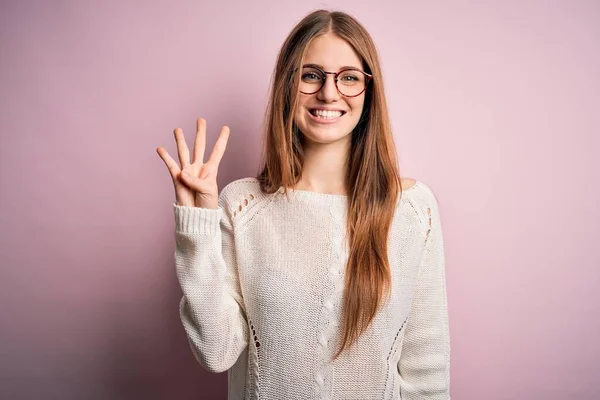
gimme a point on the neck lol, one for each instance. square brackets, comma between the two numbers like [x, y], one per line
[324, 167]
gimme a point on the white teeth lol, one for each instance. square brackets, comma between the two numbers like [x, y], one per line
[327, 114]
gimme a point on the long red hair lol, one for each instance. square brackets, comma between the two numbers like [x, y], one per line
[372, 175]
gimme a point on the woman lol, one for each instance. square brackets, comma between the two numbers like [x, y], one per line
[323, 276]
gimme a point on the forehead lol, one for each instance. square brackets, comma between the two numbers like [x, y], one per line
[332, 52]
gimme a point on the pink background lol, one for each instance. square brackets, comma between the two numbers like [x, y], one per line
[495, 105]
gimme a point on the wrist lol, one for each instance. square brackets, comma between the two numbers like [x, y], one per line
[211, 202]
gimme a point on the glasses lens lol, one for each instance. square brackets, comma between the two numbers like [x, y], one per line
[351, 82]
[311, 80]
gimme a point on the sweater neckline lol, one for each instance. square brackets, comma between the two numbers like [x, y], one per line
[329, 198]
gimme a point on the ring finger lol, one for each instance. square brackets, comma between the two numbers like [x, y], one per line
[182, 149]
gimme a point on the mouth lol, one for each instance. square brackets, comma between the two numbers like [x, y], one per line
[326, 116]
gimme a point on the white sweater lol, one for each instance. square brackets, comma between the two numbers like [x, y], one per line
[262, 280]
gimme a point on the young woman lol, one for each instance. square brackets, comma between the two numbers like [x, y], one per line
[323, 276]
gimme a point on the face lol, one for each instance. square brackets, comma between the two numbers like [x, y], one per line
[333, 54]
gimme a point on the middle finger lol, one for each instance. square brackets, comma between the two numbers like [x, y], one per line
[199, 141]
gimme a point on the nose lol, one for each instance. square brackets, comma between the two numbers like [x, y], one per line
[328, 92]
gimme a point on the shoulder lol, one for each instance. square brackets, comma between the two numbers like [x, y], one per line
[420, 197]
[239, 186]
[239, 192]
[418, 191]
[242, 198]
[407, 183]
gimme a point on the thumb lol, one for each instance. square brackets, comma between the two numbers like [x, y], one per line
[190, 180]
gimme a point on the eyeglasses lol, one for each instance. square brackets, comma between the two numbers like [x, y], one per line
[350, 82]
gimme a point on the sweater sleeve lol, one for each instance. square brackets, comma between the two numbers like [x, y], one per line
[212, 308]
[424, 364]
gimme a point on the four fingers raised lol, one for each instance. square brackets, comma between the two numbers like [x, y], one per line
[199, 149]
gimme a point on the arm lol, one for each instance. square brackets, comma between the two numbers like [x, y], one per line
[212, 308]
[424, 364]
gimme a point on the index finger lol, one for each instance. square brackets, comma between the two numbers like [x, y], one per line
[220, 145]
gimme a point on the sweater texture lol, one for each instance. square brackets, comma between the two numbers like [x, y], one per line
[263, 277]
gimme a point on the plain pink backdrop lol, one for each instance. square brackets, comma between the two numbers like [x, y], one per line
[494, 104]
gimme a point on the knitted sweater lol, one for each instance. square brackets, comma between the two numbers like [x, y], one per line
[263, 277]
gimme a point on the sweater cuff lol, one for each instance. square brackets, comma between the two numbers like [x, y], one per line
[196, 219]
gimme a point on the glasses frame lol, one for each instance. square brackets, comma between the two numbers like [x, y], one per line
[368, 78]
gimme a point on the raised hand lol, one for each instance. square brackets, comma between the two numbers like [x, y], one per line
[196, 182]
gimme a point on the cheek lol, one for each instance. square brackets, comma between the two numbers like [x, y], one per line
[357, 106]
[300, 109]
[299, 116]
[356, 102]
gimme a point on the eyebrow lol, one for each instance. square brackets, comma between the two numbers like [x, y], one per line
[321, 67]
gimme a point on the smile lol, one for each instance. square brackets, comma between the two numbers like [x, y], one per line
[325, 117]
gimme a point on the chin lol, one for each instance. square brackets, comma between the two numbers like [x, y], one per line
[325, 136]
[323, 133]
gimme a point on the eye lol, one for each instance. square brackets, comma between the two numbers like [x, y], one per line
[349, 77]
[311, 77]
